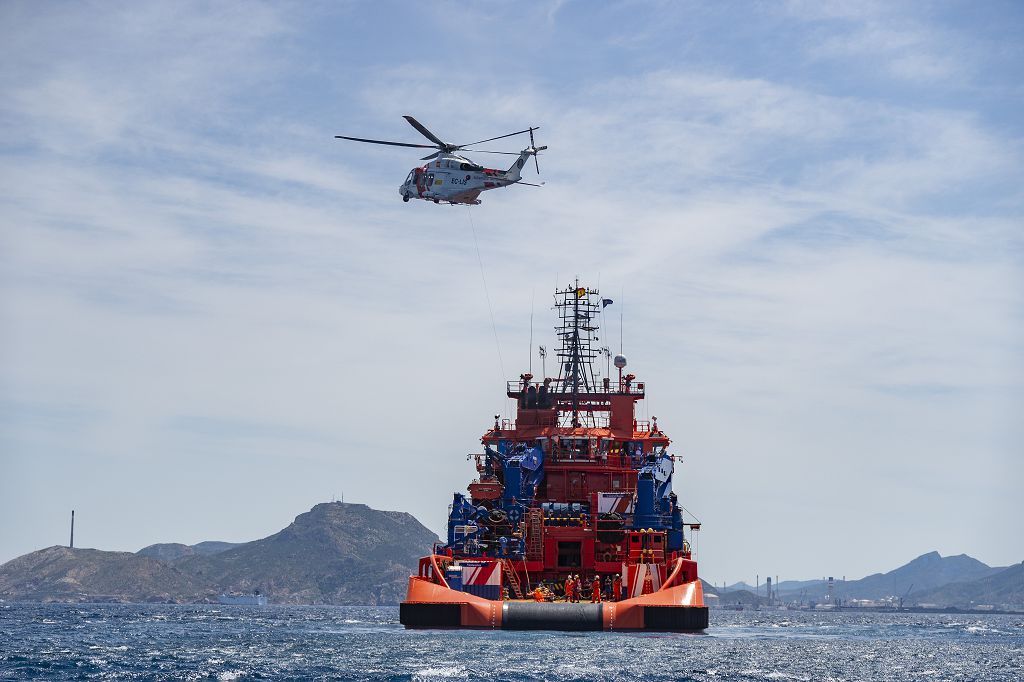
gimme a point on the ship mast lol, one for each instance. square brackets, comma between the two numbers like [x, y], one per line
[577, 312]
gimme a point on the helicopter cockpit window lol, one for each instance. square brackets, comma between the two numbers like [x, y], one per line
[408, 179]
[471, 167]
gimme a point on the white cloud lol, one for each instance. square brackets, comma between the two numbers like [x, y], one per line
[201, 284]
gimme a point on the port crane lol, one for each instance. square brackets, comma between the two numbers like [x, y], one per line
[906, 594]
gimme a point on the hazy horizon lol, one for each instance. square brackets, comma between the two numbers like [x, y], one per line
[729, 583]
[214, 315]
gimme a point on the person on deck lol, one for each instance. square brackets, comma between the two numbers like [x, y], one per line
[568, 588]
[543, 399]
[617, 588]
[595, 590]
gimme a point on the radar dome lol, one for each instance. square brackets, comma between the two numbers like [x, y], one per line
[620, 361]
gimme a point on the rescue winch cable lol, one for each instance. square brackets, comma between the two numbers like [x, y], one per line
[487, 295]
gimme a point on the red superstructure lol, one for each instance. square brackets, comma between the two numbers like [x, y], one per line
[574, 491]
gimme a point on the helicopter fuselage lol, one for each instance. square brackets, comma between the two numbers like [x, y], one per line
[452, 178]
[455, 179]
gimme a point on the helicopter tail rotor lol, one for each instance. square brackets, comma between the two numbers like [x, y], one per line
[533, 146]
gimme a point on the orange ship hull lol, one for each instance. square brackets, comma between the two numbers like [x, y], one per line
[674, 609]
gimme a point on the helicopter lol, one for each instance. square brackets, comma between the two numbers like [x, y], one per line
[451, 177]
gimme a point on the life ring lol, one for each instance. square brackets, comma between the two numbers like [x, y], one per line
[515, 514]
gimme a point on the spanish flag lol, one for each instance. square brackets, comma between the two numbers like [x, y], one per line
[581, 292]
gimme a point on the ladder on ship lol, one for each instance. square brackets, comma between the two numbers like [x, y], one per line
[535, 534]
[513, 578]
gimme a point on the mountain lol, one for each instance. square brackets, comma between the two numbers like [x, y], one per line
[172, 551]
[208, 547]
[1004, 588]
[63, 574]
[166, 551]
[735, 587]
[747, 598]
[926, 572]
[336, 553]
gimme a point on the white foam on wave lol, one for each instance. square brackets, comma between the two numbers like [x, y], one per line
[981, 629]
[442, 672]
[786, 676]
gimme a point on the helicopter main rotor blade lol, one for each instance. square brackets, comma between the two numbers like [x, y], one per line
[423, 131]
[432, 156]
[393, 144]
[491, 139]
[484, 151]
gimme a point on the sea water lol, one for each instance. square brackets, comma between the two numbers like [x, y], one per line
[113, 641]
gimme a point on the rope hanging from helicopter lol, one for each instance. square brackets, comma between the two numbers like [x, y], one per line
[459, 188]
[487, 295]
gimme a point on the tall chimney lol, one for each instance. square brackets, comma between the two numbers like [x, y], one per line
[72, 544]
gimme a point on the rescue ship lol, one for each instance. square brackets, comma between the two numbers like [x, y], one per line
[575, 485]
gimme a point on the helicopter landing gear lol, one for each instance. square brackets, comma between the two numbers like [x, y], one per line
[437, 201]
[405, 198]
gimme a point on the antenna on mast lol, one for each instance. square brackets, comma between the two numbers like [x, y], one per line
[577, 313]
[532, 298]
[622, 310]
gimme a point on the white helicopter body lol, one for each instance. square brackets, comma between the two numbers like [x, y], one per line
[452, 178]
[457, 180]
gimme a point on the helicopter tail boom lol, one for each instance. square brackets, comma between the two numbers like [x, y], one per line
[516, 171]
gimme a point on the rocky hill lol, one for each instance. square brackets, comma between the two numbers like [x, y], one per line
[926, 572]
[335, 553]
[64, 574]
[172, 551]
[1001, 589]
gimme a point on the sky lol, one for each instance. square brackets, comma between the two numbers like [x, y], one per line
[213, 315]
